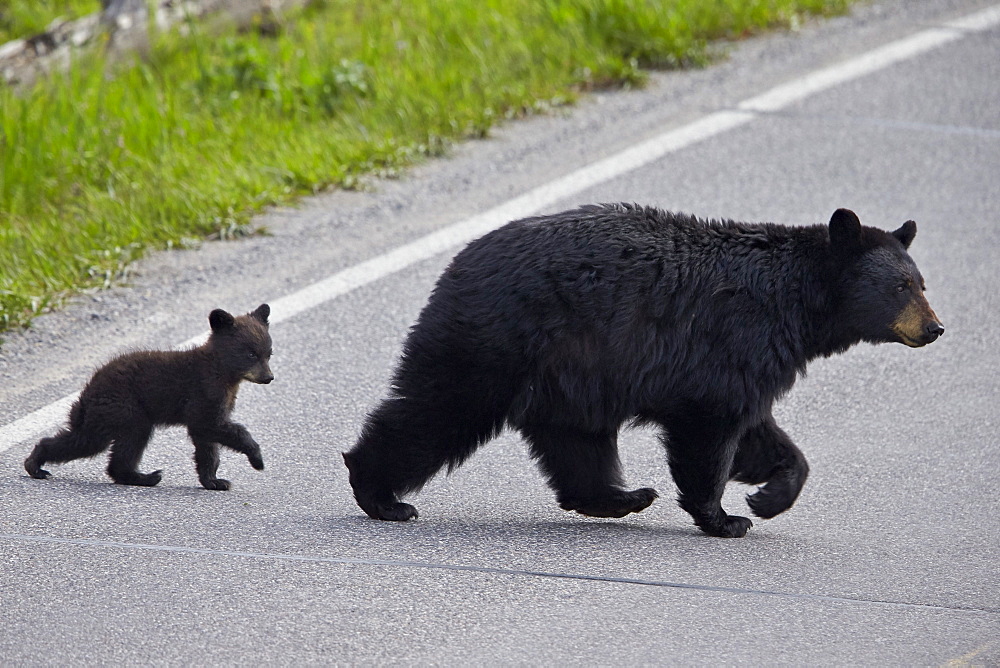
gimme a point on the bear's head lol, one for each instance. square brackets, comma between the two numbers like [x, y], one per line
[880, 289]
[242, 344]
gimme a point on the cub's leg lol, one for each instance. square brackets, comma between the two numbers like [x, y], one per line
[236, 437]
[206, 462]
[63, 447]
[584, 470]
[767, 456]
[700, 449]
[126, 452]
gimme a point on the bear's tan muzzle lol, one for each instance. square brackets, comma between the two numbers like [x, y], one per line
[917, 324]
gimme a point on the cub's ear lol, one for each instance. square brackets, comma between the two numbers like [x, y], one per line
[845, 230]
[261, 313]
[906, 233]
[220, 320]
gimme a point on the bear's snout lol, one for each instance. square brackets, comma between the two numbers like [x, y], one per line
[259, 377]
[933, 330]
[917, 324]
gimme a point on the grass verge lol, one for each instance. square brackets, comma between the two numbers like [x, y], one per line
[105, 160]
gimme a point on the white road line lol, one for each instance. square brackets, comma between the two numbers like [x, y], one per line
[531, 202]
[35, 423]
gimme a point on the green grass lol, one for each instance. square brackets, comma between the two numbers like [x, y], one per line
[105, 161]
[25, 18]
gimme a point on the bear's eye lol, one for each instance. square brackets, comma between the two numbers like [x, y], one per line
[252, 355]
[900, 287]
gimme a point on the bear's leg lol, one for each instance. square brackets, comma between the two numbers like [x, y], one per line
[235, 437]
[767, 456]
[206, 463]
[584, 470]
[700, 449]
[407, 439]
[126, 451]
[63, 447]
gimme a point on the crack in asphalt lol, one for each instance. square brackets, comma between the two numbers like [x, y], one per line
[493, 570]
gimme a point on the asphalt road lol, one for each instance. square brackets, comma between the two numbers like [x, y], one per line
[888, 558]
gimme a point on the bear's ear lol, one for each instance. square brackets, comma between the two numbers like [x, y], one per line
[220, 320]
[261, 313]
[845, 230]
[906, 233]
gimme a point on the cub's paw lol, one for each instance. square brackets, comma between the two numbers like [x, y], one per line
[394, 512]
[256, 461]
[136, 479]
[733, 526]
[34, 470]
[216, 484]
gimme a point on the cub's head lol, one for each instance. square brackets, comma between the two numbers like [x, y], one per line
[881, 290]
[243, 344]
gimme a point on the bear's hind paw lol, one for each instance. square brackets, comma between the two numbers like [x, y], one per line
[618, 504]
[395, 512]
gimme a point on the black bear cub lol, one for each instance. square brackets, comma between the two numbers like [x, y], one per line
[136, 392]
[566, 327]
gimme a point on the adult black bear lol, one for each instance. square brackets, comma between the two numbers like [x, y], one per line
[567, 326]
[133, 393]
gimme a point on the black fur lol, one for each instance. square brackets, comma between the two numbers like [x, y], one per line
[136, 392]
[568, 326]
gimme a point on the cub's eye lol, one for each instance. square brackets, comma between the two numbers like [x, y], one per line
[252, 355]
[900, 287]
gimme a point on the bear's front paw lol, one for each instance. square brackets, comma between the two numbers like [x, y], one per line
[218, 484]
[780, 492]
[733, 526]
[768, 502]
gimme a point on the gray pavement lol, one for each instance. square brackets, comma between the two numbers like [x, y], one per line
[888, 558]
